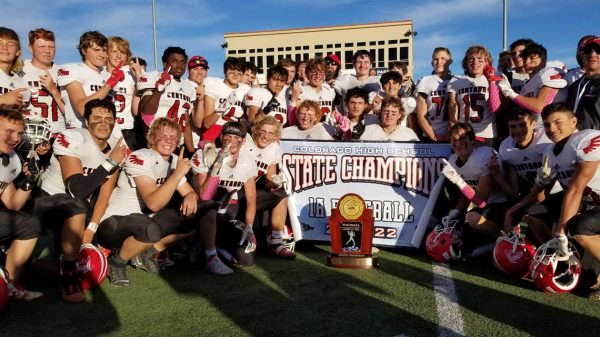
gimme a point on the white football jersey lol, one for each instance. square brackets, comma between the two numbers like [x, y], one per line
[229, 102]
[581, 146]
[348, 81]
[400, 134]
[122, 96]
[472, 96]
[262, 157]
[325, 97]
[124, 199]
[316, 132]
[549, 77]
[573, 75]
[73, 143]
[475, 167]
[526, 161]
[518, 81]
[434, 90]
[10, 172]
[11, 82]
[232, 179]
[176, 100]
[90, 80]
[260, 97]
[42, 103]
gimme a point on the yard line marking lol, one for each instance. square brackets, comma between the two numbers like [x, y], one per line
[448, 310]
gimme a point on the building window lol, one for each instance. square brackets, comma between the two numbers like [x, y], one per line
[372, 43]
[259, 64]
[393, 54]
[403, 53]
[305, 47]
[373, 54]
[404, 41]
[259, 50]
[305, 57]
[298, 57]
[349, 44]
[242, 51]
[252, 51]
[280, 49]
[330, 46]
[297, 48]
[231, 52]
[318, 55]
[253, 59]
[319, 46]
[380, 43]
[392, 41]
[270, 50]
[288, 48]
[270, 61]
[338, 45]
[361, 44]
[348, 59]
[380, 57]
[288, 56]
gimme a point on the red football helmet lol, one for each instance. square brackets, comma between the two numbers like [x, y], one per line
[3, 291]
[512, 254]
[444, 243]
[92, 265]
[554, 276]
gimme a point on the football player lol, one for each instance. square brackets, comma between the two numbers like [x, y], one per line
[356, 101]
[224, 99]
[41, 74]
[308, 116]
[249, 77]
[518, 76]
[271, 100]
[19, 229]
[543, 85]
[432, 115]
[584, 94]
[263, 146]
[139, 223]
[83, 160]
[334, 65]
[362, 64]
[389, 127]
[391, 82]
[124, 93]
[468, 169]
[83, 82]
[13, 89]
[313, 90]
[576, 73]
[407, 86]
[197, 70]
[167, 94]
[290, 66]
[472, 98]
[229, 179]
[573, 161]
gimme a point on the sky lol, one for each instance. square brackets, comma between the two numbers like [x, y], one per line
[198, 25]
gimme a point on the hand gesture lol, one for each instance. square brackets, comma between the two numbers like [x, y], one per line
[183, 165]
[136, 68]
[47, 81]
[116, 75]
[14, 97]
[506, 89]
[119, 152]
[247, 236]
[494, 165]
[490, 73]
[163, 80]
[200, 92]
[296, 91]
[545, 175]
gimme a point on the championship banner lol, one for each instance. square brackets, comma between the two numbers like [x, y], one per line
[397, 180]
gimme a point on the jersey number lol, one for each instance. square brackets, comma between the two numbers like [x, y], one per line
[173, 113]
[44, 107]
[474, 107]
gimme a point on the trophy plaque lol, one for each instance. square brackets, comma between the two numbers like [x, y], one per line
[351, 228]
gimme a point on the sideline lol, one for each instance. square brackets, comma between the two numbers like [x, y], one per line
[448, 310]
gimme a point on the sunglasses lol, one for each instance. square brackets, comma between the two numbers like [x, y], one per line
[590, 49]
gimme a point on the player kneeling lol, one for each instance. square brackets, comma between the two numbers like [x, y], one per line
[139, 222]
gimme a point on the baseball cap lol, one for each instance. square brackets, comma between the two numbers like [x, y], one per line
[234, 128]
[593, 41]
[197, 61]
[334, 58]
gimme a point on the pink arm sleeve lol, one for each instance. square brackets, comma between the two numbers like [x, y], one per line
[291, 115]
[211, 187]
[469, 192]
[519, 101]
[494, 99]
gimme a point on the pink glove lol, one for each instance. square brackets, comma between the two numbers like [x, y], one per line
[490, 73]
[343, 122]
[116, 76]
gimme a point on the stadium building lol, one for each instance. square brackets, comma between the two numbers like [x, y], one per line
[387, 41]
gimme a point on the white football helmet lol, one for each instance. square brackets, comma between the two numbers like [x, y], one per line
[554, 276]
[37, 129]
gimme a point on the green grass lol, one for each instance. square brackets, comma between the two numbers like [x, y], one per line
[301, 298]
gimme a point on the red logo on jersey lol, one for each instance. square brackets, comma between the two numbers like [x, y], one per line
[63, 72]
[594, 143]
[62, 141]
[557, 76]
[196, 161]
[134, 159]
[143, 80]
[249, 98]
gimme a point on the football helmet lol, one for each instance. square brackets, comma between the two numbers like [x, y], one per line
[445, 243]
[3, 290]
[37, 129]
[512, 254]
[92, 265]
[554, 276]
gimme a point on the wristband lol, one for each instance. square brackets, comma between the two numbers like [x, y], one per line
[108, 166]
[92, 227]
[113, 163]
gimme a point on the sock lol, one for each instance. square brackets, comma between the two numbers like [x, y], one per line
[118, 261]
[150, 252]
[210, 252]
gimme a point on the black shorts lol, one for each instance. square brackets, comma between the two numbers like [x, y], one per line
[53, 210]
[585, 223]
[17, 225]
[171, 221]
[493, 212]
[113, 231]
[267, 200]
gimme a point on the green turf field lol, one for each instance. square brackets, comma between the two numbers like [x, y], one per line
[303, 298]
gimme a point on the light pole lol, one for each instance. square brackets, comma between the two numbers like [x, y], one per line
[504, 25]
[154, 35]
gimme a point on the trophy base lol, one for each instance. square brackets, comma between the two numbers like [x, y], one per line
[366, 262]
